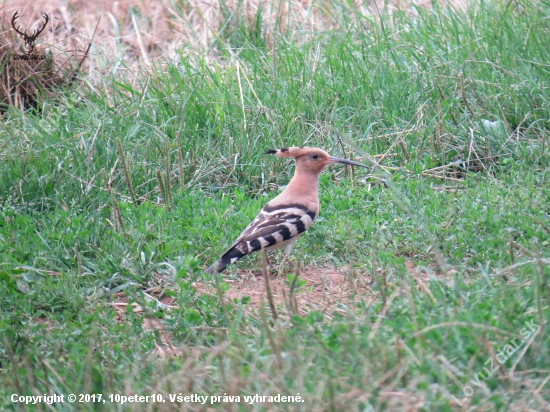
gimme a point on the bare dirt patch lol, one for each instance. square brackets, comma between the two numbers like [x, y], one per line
[327, 289]
[318, 288]
[324, 287]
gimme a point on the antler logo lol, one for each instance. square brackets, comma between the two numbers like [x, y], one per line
[29, 40]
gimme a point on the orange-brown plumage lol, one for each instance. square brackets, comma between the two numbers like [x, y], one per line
[286, 217]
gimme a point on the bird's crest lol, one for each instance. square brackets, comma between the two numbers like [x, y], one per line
[297, 151]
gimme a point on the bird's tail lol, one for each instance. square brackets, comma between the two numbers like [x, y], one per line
[231, 256]
[218, 267]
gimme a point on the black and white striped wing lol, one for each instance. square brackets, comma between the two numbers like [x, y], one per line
[274, 226]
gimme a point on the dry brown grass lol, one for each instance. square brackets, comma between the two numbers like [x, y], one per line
[22, 82]
[127, 34]
[140, 31]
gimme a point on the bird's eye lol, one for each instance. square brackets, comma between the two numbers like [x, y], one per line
[315, 156]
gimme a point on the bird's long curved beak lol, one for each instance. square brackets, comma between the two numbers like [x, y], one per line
[346, 162]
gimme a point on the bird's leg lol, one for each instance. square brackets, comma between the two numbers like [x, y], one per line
[281, 269]
[287, 261]
[286, 266]
[267, 262]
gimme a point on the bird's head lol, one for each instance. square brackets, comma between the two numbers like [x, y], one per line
[311, 159]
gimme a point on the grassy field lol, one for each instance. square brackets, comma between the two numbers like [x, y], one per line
[116, 195]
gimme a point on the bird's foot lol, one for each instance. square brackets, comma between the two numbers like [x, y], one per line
[286, 266]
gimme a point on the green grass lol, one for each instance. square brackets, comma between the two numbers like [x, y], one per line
[76, 228]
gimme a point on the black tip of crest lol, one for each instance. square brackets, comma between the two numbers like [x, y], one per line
[270, 151]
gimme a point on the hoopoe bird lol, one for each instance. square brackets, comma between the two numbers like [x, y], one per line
[285, 218]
